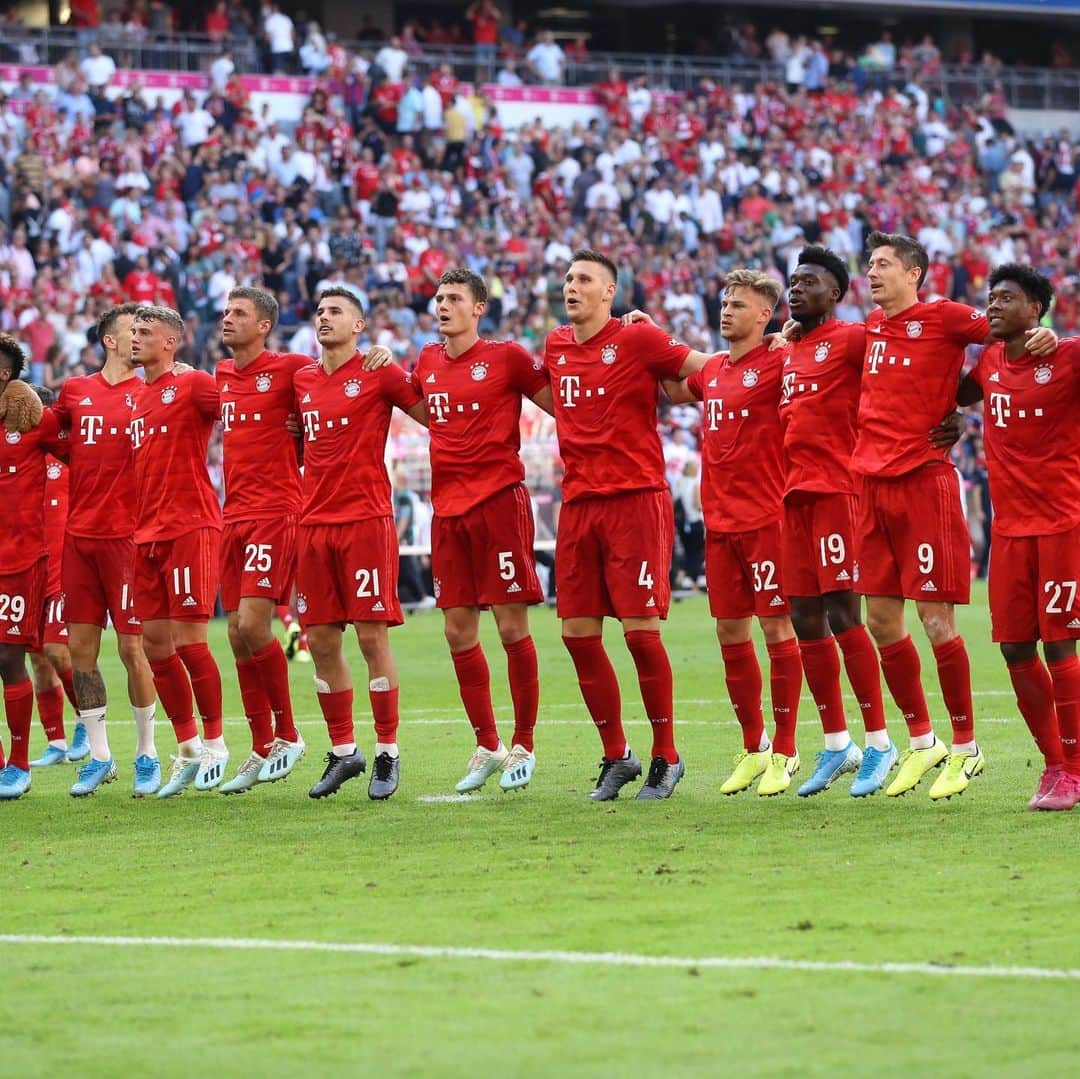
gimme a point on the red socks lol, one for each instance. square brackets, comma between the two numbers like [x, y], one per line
[785, 686]
[384, 707]
[1066, 677]
[600, 690]
[50, 706]
[474, 684]
[67, 680]
[903, 675]
[174, 691]
[821, 662]
[274, 673]
[521, 669]
[657, 689]
[743, 677]
[19, 706]
[256, 705]
[954, 674]
[337, 709]
[205, 684]
[1035, 699]
[864, 674]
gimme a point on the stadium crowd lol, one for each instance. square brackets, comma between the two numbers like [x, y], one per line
[391, 177]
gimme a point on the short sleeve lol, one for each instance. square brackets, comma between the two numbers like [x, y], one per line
[205, 394]
[696, 385]
[964, 324]
[61, 408]
[656, 350]
[527, 374]
[856, 346]
[397, 387]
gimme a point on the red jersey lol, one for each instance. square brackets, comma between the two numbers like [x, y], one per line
[56, 513]
[474, 408]
[170, 434]
[742, 467]
[819, 406]
[910, 376]
[365, 180]
[1032, 438]
[142, 286]
[98, 417]
[262, 472]
[606, 391]
[22, 493]
[346, 420]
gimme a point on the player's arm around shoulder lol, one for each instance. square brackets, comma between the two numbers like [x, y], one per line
[20, 408]
[692, 361]
[205, 394]
[400, 389]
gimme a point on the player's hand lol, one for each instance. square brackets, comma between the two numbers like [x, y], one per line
[636, 316]
[20, 408]
[1041, 341]
[377, 356]
[292, 424]
[776, 340]
[948, 432]
[792, 330]
[182, 368]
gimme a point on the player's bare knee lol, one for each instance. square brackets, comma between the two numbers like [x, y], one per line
[808, 619]
[459, 637]
[1058, 651]
[776, 630]
[939, 622]
[12, 664]
[1018, 651]
[59, 656]
[842, 612]
[129, 648]
[371, 636]
[512, 623]
[884, 626]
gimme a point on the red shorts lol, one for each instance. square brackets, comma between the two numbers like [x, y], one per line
[1033, 587]
[742, 570]
[22, 606]
[99, 581]
[485, 557]
[258, 558]
[613, 556]
[819, 543]
[912, 539]
[348, 573]
[55, 631]
[178, 578]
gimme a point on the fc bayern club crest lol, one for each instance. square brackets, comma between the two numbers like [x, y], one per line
[352, 388]
[12, 437]
[607, 354]
[821, 353]
[262, 383]
[914, 329]
[129, 400]
[750, 378]
[168, 395]
[479, 372]
[53, 471]
[1043, 374]
[301, 603]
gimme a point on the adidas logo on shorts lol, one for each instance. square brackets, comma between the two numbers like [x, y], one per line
[15, 629]
[515, 587]
[1074, 624]
[191, 601]
[843, 575]
[264, 583]
[378, 606]
[929, 587]
[651, 603]
[777, 601]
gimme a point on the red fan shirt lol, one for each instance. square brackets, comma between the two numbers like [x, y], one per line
[1032, 438]
[345, 416]
[819, 406]
[606, 391]
[742, 468]
[262, 472]
[910, 375]
[170, 434]
[474, 409]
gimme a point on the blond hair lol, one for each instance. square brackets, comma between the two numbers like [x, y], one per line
[171, 318]
[765, 285]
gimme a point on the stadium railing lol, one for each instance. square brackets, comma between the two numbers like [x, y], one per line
[1024, 87]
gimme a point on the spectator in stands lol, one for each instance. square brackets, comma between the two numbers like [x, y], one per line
[485, 18]
[546, 59]
[280, 35]
[391, 59]
[98, 68]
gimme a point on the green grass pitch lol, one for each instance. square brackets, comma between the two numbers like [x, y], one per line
[978, 882]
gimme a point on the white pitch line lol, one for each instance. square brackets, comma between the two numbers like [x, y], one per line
[596, 959]
[446, 720]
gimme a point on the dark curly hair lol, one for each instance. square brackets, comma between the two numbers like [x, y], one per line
[1034, 285]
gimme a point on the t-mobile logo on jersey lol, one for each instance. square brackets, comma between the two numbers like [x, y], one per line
[876, 357]
[228, 415]
[90, 427]
[439, 406]
[138, 432]
[311, 425]
[714, 409]
[999, 408]
[570, 391]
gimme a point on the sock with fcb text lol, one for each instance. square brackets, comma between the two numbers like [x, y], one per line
[522, 672]
[256, 705]
[657, 689]
[954, 674]
[384, 709]
[19, 706]
[205, 685]
[902, 671]
[474, 685]
[50, 705]
[864, 674]
[742, 673]
[785, 688]
[1066, 677]
[1035, 699]
[600, 691]
[274, 672]
[337, 710]
[821, 664]
[174, 691]
[67, 680]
